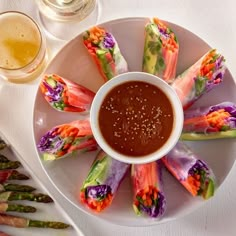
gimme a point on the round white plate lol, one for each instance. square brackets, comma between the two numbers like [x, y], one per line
[73, 62]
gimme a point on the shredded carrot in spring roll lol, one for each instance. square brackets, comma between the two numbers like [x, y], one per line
[147, 189]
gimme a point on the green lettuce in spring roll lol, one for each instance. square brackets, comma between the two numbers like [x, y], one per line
[193, 173]
[161, 50]
[200, 78]
[212, 122]
[102, 182]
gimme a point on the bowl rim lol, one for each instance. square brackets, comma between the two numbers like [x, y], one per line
[143, 77]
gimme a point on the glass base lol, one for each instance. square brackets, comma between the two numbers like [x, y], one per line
[67, 30]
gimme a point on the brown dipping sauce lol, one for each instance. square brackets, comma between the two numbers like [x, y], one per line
[136, 118]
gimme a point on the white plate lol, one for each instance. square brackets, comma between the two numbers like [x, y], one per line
[48, 212]
[73, 62]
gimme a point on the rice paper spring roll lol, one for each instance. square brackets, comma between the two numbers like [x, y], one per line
[105, 51]
[200, 78]
[212, 122]
[64, 139]
[102, 182]
[65, 95]
[148, 195]
[161, 50]
[193, 173]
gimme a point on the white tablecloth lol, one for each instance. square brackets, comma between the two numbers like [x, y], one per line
[214, 21]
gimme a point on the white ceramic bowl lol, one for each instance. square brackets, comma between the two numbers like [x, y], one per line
[151, 79]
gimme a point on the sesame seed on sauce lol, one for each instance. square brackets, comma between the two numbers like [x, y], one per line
[136, 118]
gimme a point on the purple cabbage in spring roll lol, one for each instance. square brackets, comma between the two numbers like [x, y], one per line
[193, 173]
[212, 122]
[147, 189]
[102, 182]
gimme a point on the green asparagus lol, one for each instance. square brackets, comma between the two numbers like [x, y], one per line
[47, 224]
[17, 175]
[21, 222]
[9, 165]
[16, 188]
[36, 197]
[5, 207]
[3, 159]
[2, 144]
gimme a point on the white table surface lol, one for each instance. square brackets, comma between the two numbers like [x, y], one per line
[213, 22]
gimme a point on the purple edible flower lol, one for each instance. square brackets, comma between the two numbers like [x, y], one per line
[50, 142]
[108, 41]
[98, 192]
[54, 93]
[163, 32]
[197, 167]
[157, 209]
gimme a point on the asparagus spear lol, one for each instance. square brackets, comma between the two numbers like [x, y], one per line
[11, 174]
[36, 197]
[16, 188]
[2, 144]
[21, 222]
[4, 207]
[3, 159]
[10, 165]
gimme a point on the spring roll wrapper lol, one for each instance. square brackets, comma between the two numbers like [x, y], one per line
[146, 177]
[102, 182]
[105, 52]
[200, 78]
[181, 162]
[161, 50]
[67, 138]
[65, 95]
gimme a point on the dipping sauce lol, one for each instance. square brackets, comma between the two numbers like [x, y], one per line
[136, 118]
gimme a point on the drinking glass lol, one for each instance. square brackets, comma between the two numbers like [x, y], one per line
[23, 47]
[64, 19]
